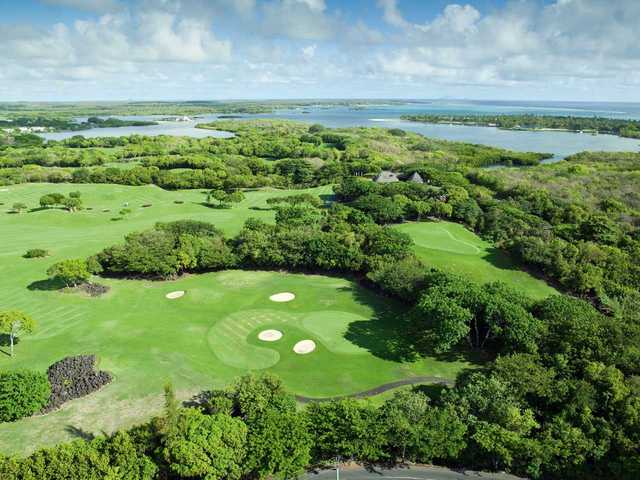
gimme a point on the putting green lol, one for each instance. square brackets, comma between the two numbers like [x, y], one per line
[451, 247]
[202, 340]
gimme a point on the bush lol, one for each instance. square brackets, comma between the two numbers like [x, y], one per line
[70, 272]
[36, 253]
[22, 394]
[74, 377]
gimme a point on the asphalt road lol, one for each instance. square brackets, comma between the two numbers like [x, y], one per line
[413, 472]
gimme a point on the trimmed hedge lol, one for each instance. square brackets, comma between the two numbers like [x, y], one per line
[22, 393]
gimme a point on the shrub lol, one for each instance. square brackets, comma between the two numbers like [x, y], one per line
[18, 207]
[70, 272]
[397, 132]
[74, 377]
[22, 394]
[36, 253]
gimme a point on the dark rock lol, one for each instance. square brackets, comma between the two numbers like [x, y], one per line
[74, 377]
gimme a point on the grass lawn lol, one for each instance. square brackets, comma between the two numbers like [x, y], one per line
[451, 247]
[204, 339]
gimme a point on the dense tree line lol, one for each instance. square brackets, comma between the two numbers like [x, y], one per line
[613, 126]
[262, 153]
[525, 413]
[304, 238]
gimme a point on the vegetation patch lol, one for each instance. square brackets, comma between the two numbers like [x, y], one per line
[36, 253]
[93, 289]
[74, 377]
[22, 393]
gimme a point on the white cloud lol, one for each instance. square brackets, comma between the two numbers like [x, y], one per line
[297, 19]
[255, 47]
[309, 52]
[315, 5]
[391, 13]
[562, 43]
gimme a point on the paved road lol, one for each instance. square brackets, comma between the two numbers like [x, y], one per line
[381, 388]
[408, 473]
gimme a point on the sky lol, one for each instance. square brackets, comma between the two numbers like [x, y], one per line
[83, 50]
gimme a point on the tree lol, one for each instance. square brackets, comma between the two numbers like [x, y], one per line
[211, 447]
[346, 428]
[72, 204]
[382, 209]
[256, 394]
[70, 272]
[235, 197]
[298, 215]
[419, 208]
[19, 207]
[278, 444]
[448, 321]
[46, 201]
[15, 323]
[22, 393]
[402, 414]
[219, 195]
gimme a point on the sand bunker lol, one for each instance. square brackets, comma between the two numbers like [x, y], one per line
[174, 295]
[282, 297]
[304, 346]
[270, 335]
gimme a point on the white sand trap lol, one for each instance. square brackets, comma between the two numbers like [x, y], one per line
[270, 335]
[304, 346]
[4, 189]
[174, 295]
[282, 297]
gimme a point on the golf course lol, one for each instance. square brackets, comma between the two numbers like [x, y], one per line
[451, 247]
[205, 336]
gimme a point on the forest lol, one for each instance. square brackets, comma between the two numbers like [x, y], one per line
[262, 153]
[558, 396]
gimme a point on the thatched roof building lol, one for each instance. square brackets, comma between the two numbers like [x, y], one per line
[415, 178]
[386, 177]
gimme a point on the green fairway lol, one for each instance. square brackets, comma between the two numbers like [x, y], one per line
[204, 339]
[451, 247]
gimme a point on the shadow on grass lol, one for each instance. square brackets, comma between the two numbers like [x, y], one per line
[393, 333]
[46, 285]
[500, 259]
[78, 432]
[261, 209]
[5, 341]
[386, 334]
[327, 198]
[222, 206]
[431, 390]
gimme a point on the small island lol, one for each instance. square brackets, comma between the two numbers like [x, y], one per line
[593, 125]
[37, 124]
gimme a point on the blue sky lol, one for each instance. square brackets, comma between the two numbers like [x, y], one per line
[224, 49]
